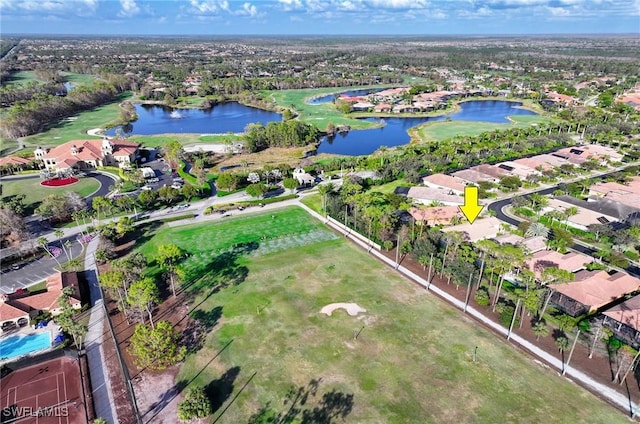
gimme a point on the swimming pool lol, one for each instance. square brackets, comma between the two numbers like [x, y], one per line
[18, 345]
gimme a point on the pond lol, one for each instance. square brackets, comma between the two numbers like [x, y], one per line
[234, 117]
[394, 131]
[222, 118]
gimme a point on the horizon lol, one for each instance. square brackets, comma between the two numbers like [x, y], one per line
[319, 17]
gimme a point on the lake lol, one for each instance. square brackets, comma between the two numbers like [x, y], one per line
[234, 117]
[351, 93]
[222, 118]
[394, 133]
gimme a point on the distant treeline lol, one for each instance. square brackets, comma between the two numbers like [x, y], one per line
[279, 134]
[26, 117]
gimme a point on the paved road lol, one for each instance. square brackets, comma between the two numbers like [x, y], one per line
[498, 206]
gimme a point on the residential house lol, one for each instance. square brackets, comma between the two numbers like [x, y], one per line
[303, 177]
[534, 163]
[382, 108]
[79, 155]
[624, 321]
[531, 244]
[627, 194]
[592, 291]
[362, 106]
[571, 262]
[445, 182]
[583, 218]
[17, 308]
[482, 228]
[518, 170]
[473, 176]
[438, 215]
[492, 170]
[428, 195]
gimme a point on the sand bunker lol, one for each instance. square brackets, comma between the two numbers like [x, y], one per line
[352, 309]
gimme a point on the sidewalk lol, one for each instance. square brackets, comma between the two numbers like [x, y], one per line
[101, 385]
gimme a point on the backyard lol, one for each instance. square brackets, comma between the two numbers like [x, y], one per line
[258, 283]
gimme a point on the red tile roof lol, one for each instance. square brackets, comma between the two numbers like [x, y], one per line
[88, 150]
[14, 160]
[598, 290]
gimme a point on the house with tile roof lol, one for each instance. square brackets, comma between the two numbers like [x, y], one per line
[18, 308]
[438, 215]
[482, 228]
[592, 291]
[455, 185]
[624, 321]
[571, 262]
[78, 155]
[582, 219]
[428, 195]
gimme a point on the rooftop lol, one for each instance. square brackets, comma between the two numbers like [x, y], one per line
[598, 290]
[482, 228]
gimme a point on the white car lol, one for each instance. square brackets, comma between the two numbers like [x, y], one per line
[146, 188]
[176, 186]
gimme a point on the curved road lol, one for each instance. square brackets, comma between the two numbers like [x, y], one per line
[497, 208]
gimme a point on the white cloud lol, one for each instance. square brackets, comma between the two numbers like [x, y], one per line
[289, 5]
[128, 8]
[400, 4]
[204, 6]
[249, 9]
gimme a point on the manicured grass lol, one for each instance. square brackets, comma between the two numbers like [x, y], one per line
[34, 192]
[22, 77]
[412, 361]
[441, 130]
[78, 79]
[76, 127]
[313, 201]
[319, 115]
[221, 138]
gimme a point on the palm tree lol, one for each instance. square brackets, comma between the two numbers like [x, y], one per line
[42, 242]
[324, 190]
[540, 329]
[537, 229]
[568, 213]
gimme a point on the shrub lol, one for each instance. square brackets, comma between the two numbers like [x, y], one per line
[196, 404]
[482, 297]
[506, 315]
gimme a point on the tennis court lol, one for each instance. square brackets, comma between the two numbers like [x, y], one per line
[46, 393]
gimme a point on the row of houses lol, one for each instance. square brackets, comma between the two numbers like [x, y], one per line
[605, 294]
[394, 100]
[17, 309]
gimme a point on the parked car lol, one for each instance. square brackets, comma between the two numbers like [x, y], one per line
[176, 186]
[146, 187]
[178, 180]
[153, 180]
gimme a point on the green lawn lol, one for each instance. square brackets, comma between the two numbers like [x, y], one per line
[319, 115]
[22, 77]
[412, 361]
[440, 130]
[76, 127]
[34, 192]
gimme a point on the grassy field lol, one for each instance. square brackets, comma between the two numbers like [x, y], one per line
[76, 127]
[23, 77]
[184, 139]
[34, 192]
[408, 358]
[319, 115]
[440, 130]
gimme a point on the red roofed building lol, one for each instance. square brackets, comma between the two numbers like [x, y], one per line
[439, 215]
[596, 291]
[88, 154]
[18, 308]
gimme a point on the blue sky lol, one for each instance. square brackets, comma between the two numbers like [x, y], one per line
[223, 17]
